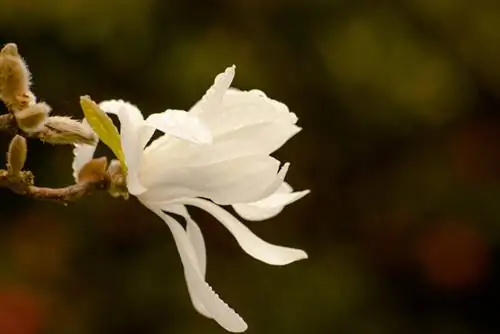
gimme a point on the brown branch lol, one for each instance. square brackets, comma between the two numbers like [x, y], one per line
[23, 185]
[27, 118]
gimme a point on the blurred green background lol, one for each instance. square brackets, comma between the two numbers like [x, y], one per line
[400, 105]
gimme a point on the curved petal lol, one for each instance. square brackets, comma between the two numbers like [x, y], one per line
[133, 138]
[251, 244]
[193, 232]
[244, 108]
[212, 304]
[121, 108]
[196, 238]
[241, 180]
[181, 124]
[82, 154]
[270, 206]
[210, 102]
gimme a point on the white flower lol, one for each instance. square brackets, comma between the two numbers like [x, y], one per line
[219, 150]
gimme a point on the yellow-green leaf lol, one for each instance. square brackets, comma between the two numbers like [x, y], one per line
[103, 126]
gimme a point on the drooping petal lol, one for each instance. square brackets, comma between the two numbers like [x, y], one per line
[270, 206]
[245, 179]
[212, 304]
[181, 124]
[193, 232]
[196, 238]
[251, 244]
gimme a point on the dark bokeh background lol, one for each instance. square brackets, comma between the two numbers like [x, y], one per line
[400, 105]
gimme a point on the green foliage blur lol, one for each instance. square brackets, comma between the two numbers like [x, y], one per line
[400, 107]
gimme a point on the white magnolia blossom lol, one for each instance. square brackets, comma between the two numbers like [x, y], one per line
[217, 153]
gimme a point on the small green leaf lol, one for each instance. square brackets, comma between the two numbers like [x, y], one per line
[103, 126]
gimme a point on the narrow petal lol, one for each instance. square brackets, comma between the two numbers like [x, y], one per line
[131, 145]
[251, 244]
[196, 238]
[210, 102]
[212, 304]
[193, 232]
[181, 124]
[270, 206]
[133, 138]
[82, 154]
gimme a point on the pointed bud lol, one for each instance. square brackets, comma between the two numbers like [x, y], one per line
[93, 170]
[64, 130]
[14, 78]
[10, 49]
[16, 156]
[118, 185]
[33, 118]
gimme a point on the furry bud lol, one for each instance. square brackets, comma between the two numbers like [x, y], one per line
[14, 78]
[64, 130]
[93, 170]
[16, 155]
[118, 185]
[33, 118]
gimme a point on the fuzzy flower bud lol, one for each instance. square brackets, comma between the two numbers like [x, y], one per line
[16, 156]
[33, 118]
[14, 79]
[93, 170]
[64, 130]
[118, 185]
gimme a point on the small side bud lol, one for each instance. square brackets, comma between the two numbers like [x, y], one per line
[64, 130]
[93, 170]
[33, 118]
[118, 186]
[16, 156]
[14, 78]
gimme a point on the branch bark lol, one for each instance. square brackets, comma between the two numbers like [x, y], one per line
[22, 185]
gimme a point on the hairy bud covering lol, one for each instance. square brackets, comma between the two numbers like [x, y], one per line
[64, 130]
[14, 79]
[16, 156]
[33, 118]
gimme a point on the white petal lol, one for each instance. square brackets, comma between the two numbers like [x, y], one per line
[212, 304]
[250, 121]
[82, 154]
[120, 108]
[181, 124]
[241, 180]
[132, 137]
[196, 238]
[244, 108]
[193, 232]
[270, 206]
[210, 102]
[249, 242]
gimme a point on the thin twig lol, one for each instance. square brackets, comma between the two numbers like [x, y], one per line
[22, 185]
